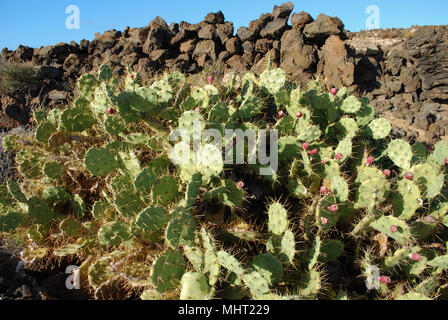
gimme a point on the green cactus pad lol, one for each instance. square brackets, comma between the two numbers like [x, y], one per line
[344, 148]
[331, 250]
[407, 201]
[367, 173]
[151, 219]
[441, 263]
[194, 286]
[54, 194]
[72, 227]
[39, 210]
[339, 187]
[180, 231]
[196, 257]
[440, 153]
[66, 250]
[278, 219]
[400, 152]
[269, 267]
[167, 271]
[114, 233]
[229, 262]
[105, 73]
[128, 203]
[219, 113]
[86, 86]
[99, 272]
[145, 180]
[114, 125]
[310, 285]
[54, 170]
[372, 192]
[191, 122]
[384, 224]
[271, 81]
[193, 189]
[165, 191]
[249, 108]
[257, 284]
[100, 161]
[310, 134]
[10, 221]
[350, 105]
[77, 119]
[347, 127]
[103, 211]
[44, 131]
[379, 128]
[16, 192]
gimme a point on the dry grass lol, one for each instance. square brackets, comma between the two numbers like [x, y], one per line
[15, 76]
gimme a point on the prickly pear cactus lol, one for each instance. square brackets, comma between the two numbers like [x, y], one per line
[253, 188]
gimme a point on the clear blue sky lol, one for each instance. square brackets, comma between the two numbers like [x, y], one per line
[38, 23]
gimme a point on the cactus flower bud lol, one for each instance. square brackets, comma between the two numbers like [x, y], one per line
[323, 190]
[333, 208]
[324, 162]
[313, 152]
[240, 184]
[324, 220]
[409, 175]
[197, 109]
[299, 114]
[305, 145]
[111, 111]
[387, 173]
[281, 114]
[338, 156]
[393, 229]
[384, 279]
[415, 256]
[370, 160]
[334, 91]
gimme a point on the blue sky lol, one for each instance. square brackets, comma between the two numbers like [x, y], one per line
[40, 23]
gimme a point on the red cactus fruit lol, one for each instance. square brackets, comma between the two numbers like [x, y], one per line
[393, 229]
[446, 161]
[324, 220]
[240, 184]
[323, 190]
[197, 109]
[338, 156]
[387, 173]
[31, 120]
[281, 114]
[333, 208]
[334, 91]
[384, 279]
[305, 145]
[409, 175]
[209, 80]
[299, 114]
[111, 111]
[370, 160]
[131, 76]
[313, 152]
[324, 162]
[415, 256]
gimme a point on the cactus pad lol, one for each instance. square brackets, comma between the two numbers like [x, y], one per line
[167, 271]
[100, 161]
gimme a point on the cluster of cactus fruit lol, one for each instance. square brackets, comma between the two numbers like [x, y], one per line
[98, 183]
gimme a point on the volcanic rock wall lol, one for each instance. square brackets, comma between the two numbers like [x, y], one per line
[403, 71]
